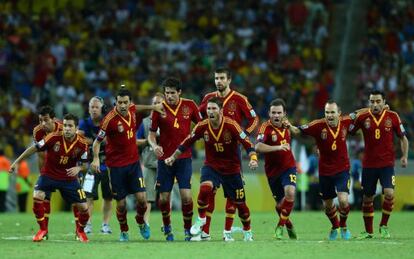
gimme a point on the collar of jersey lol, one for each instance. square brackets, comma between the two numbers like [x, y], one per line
[71, 145]
[216, 137]
[174, 112]
[128, 122]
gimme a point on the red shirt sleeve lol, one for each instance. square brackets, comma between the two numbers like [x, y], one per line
[195, 135]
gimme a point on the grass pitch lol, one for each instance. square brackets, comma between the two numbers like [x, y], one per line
[16, 231]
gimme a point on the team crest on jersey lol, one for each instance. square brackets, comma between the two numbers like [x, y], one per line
[227, 137]
[186, 112]
[367, 123]
[274, 136]
[56, 147]
[120, 127]
[324, 134]
[232, 107]
[388, 124]
[206, 137]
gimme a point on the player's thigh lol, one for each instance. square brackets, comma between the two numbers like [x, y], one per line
[150, 176]
[105, 185]
[118, 177]
[233, 187]
[135, 179]
[276, 188]
[370, 177]
[387, 177]
[327, 187]
[342, 182]
[183, 171]
[71, 191]
[288, 182]
[43, 188]
[165, 177]
[208, 174]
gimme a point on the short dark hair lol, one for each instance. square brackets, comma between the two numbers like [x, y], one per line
[123, 92]
[171, 82]
[70, 116]
[278, 102]
[330, 101]
[378, 92]
[217, 101]
[223, 70]
[47, 110]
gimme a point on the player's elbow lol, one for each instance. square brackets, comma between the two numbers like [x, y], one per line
[258, 147]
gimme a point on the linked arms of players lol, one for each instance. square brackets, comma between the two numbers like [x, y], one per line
[264, 148]
[152, 140]
[158, 108]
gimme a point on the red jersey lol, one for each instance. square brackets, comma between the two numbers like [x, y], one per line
[378, 134]
[39, 133]
[175, 126]
[62, 154]
[331, 143]
[120, 132]
[221, 145]
[279, 161]
[235, 106]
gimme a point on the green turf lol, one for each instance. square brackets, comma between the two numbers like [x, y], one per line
[16, 231]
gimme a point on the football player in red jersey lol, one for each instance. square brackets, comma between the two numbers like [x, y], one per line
[330, 135]
[222, 136]
[119, 129]
[274, 140]
[237, 107]
[173, 128]
[378, 125]
[64, 150]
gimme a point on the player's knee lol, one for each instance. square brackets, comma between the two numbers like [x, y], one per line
[39, 195]
[164, 199]
[367, 199]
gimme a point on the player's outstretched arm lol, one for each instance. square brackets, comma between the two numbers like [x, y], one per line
[143, 107]
[96, 163]
[404, 151]
[264, 148]
[293, 129]
[28, 152]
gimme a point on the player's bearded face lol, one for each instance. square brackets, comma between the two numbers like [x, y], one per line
[122, 104]
[69, 129]
[276, 115]
[213, 112]
[172, 95]
[221, 81]
[376, 103]
[46, 122]
[332, 114]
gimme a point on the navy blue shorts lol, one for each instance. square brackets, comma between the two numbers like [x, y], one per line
[370, 177]
[232, 184]
[181, 170]
[277, 183]
[71, 190]
[126, 180]
[330, 185]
